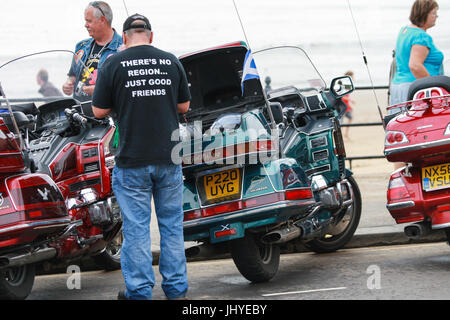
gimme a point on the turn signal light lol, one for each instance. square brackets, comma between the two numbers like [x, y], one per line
[397, 190]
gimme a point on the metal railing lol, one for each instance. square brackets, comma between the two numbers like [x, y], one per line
[365, 124]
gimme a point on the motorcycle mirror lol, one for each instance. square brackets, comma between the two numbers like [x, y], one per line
[277, 112]
[341, 86]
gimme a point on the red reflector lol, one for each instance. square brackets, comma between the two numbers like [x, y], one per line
[298, 194]
[194, 214]
[224, 233]
[35, 214]
[228, 207]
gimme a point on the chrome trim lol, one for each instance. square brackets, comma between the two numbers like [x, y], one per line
[237, 214]
[234, 157]
[322, 137]
[37, 224]
[291, 141]
[440, 226]
[400, 205]
[327, 166]
[315, 132]
[418, 146]
[315, 152]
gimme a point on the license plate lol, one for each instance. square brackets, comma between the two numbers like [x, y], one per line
[436, 177]
[222, 184]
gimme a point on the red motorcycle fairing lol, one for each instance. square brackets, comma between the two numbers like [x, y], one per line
[32, 205]
[83, 166]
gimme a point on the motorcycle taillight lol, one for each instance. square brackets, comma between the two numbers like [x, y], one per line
[397, 190]
[394, 138]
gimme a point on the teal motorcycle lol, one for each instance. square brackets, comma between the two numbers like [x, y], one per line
[264, 166]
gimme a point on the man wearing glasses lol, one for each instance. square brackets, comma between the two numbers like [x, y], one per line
[104, 42]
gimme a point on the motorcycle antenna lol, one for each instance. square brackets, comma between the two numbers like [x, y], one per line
[366, 63]
[126, 9]
[272, 119]
[240, 21]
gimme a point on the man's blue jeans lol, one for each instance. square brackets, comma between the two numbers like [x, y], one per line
[133, 188]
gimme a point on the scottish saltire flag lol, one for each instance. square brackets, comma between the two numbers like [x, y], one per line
[249, 69]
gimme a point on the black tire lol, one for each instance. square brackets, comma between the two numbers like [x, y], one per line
[447, 233]
[16, 283]
[331, 243]
[256, 261]
[109, 259]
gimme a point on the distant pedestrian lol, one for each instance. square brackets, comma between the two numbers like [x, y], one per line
[349, 111]
[147, 115]
[47, 89]
[416, 56]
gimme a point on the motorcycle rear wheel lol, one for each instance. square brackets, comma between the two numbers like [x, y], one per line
[333, 242]
[16, 283]
[256, 261]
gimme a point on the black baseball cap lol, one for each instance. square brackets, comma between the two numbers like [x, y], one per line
[144, 23]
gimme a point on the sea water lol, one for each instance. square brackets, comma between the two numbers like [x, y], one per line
[324, 28]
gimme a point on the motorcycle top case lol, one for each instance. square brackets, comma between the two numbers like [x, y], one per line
[414, 136]
[30, 205]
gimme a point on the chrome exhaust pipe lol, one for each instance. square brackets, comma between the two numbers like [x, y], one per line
[417, 230]
[282, 235]
[20, 259]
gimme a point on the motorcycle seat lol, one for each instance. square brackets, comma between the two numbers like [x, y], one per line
[429, 82]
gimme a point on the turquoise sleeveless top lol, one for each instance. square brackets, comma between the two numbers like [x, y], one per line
[408, 37]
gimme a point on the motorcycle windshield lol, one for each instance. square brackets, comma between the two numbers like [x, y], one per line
[285, 69]
[31, 81]
[39, 77]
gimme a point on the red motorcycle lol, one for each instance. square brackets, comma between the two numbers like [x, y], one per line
[419, 136]
[56, 201]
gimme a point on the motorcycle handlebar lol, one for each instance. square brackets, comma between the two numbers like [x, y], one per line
[75, 116]
[79, 118]
[82, 119]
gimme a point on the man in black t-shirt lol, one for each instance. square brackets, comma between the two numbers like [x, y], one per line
[145, 88]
